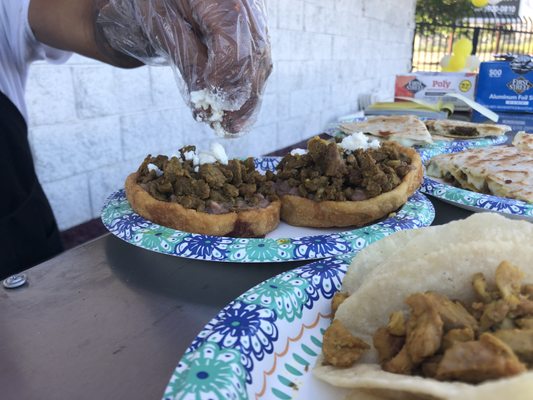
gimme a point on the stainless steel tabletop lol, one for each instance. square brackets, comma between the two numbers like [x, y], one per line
[108, 320]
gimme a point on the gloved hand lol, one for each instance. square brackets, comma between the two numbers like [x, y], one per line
[221, 51]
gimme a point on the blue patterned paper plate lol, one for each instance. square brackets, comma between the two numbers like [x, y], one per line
[477, 202]
[284, 244]
[265, 343]
[454, 146]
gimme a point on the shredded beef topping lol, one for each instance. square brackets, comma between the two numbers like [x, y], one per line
[328, 172]
[214, 188]
[445, 340]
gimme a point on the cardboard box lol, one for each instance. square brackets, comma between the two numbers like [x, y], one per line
[430, 87]
[501, 88]
[517, 121]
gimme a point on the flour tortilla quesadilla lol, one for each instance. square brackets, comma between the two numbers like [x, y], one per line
[442, 259]
[523, 141]
[407, 130]
[463, 129]
[504, 171]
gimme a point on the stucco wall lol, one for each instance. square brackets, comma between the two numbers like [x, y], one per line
[91, 125]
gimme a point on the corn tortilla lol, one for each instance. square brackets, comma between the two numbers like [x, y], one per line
[441, 259]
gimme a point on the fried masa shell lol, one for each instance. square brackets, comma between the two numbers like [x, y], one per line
[300, 211]
[248, 223]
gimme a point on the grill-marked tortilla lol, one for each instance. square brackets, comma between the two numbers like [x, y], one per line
[523, 141]
[441, 259]
[504, 171]
[407, 130]
[463, 129]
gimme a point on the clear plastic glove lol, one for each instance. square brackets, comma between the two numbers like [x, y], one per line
[220, 50]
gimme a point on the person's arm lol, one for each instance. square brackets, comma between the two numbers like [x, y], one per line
[71, 25]
[220, 48]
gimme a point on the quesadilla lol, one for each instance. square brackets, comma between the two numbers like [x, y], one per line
[523, 140]
[504, 171]
[463, 129]
[448, 332]
[406, 130]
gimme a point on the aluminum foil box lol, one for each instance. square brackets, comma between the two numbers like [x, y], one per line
[505, 86]
[517, 121]
[430, 87]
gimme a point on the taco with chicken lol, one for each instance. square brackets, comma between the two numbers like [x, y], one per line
[444, 312]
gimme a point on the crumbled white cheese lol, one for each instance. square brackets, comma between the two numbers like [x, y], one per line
[214, 154]
[206, 100]
[206, 158]
[298, 152]
[152, 167]
[358, 140]
[189, 155]
[216, 115]
[200, 99]
[219, 130]
[219, 152]
[374, 144]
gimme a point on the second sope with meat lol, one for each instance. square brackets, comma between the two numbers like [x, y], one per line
[350, 183]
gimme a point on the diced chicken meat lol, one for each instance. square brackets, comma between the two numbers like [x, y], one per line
[479, 283]
[424, 328]
[457, 335]
[493, 314]
[400, 364]
[396, 324]
[453, 314]
[338, 299]
[340, 347]
[480, 360]
[519, 340]
[508, 280]
[386, 344]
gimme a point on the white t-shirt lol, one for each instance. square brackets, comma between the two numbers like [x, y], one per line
[18, 48]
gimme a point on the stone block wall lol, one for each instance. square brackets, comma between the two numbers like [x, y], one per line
[91, 124]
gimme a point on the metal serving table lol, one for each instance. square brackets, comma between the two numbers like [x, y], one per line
[108, 320]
